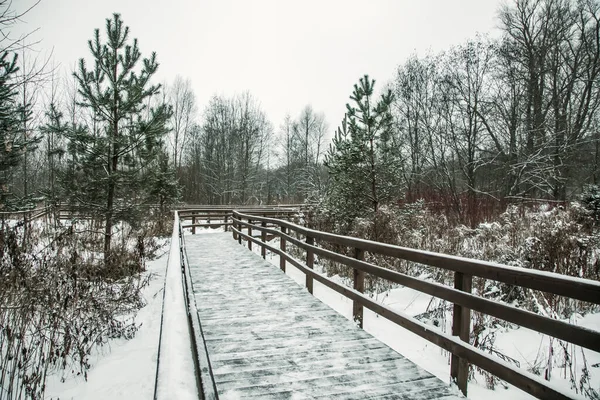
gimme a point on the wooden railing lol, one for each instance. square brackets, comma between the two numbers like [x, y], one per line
[25, 215]
[62, 212]
[460, 295]
[191, 217]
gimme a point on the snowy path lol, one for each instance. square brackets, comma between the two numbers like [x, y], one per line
[269, 338]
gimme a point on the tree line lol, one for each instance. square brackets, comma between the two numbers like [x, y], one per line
[470, 129]
[484, 123]
[100, 147]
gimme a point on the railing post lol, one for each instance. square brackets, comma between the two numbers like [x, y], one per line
[461, 327]
[233, 228]
[193, 227]
[238, 225]
[263, 238]
[359, 285]
[249, 234]
[282, 247]
[225, 222]
[310, 259]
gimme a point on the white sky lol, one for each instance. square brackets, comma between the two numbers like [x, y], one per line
[286, 53]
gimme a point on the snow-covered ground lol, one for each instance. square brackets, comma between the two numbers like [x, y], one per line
[125, 369]
[522, 344]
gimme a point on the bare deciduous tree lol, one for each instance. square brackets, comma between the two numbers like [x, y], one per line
[183, 100]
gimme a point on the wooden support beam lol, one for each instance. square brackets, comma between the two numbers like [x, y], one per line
[310, 259]
[282, 246]
[249, 234]
[359, 286]
[263, 238]
[461, 327]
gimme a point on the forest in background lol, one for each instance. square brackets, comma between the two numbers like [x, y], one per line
[489, 150]
[69, 287]
[484, 124]
[466, 135]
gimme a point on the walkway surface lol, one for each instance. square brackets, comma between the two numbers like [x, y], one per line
[268, 338]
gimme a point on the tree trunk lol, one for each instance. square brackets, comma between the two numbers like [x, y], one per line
[112, 169]
[109, 220]
[373, 177]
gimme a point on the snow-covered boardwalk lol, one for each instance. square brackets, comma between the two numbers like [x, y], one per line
[268, 338]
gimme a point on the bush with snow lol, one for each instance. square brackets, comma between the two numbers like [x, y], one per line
[559, 239]
[59, 300]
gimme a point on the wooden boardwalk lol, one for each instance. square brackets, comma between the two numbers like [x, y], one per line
[268, 338]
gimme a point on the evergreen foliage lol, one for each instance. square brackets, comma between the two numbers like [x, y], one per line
[54, 129]
[114, 155]
[161, 179]
[14, 142]
[361, 161]
[590, 198]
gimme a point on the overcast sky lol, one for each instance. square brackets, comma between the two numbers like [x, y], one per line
[286, 53]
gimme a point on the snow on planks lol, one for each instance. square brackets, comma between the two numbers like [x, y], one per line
[269, 338]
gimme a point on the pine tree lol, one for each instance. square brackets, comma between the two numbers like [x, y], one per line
[360, 161]
[54, 129]
[163, 186]
[124, 140]
[13, 144]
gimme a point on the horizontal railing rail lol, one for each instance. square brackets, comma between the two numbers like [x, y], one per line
[185, 207]
[60, 211]
[224, 213]
[460, 295]
[220, 216]
[204, 374]
[30, 215]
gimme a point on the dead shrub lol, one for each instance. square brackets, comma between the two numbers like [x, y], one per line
[56, 306]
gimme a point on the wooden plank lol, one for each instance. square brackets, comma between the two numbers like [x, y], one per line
[204, 377]
[324, 365]
[269, 338]
[523, 380]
